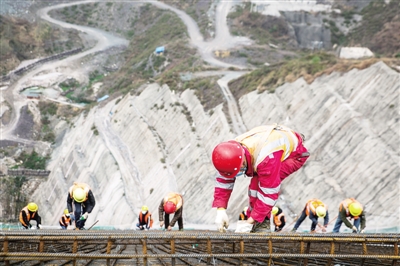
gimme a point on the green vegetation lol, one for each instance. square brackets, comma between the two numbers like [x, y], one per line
[261, 28]
[47, 108]
[95, 131]
[267, 78]
[137, 69]
[32, 160]
[12, 198]
[337, 37]
[68, 84]
[22, 40]
[380, 28]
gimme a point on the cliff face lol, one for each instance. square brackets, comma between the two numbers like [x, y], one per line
[157, 142]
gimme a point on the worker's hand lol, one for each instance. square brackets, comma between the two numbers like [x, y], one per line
[141, 227]
[84, 216]
[169, 228]
[354, 229]
[29, 226]
[161, 223]
[222, 220]
[243, 227]
[323, 228]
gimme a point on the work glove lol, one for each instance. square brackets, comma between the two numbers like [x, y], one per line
[243, 227]
[84, 216]
[222, 220]
[354, 229]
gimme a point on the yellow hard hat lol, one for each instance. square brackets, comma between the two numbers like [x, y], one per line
[355, 209]
[79, 195]
[145, 208]
[274, 210]
[321, 211]
[66, 211]
[32, 207]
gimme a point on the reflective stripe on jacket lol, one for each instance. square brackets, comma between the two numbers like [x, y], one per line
[265, 140]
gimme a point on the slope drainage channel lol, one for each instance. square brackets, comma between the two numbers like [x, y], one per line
[112, 247]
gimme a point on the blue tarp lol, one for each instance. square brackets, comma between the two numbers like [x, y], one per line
[160, 49]
[102, 98]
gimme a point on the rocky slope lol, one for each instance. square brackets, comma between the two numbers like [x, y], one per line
[135, 149]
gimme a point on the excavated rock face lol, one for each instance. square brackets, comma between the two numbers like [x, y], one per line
[134, 152]
[352, 129]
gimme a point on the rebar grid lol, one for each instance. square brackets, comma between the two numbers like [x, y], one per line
[197, 248]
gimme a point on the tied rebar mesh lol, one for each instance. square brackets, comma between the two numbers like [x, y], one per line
[196, 248]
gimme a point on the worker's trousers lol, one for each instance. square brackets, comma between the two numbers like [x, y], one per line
[339, 222]
[180, 222]
[301, 219]
[80, 209]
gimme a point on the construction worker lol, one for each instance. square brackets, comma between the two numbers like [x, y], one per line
[145, 220]
[243, 214]
[278, 218]
[268, 154]
[314, 209]
[28, 213]
[81, 196]
[65, 219]
[352, 209]
[171, 203]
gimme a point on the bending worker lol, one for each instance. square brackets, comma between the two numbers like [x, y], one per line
[65, 219]
[145, 220]
[172, 203]
[352, 209]
[314, 209]
[267, 154]
[28, 213]
[81, 196]
[278, 218]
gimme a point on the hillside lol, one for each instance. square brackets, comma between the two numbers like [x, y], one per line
[136, 157]
[21, 40]
[165, 113]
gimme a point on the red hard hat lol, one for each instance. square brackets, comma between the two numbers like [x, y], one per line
[228, 157]
[169, 207]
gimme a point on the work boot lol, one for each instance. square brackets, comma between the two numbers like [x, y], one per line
[262, 228]
[293, 230]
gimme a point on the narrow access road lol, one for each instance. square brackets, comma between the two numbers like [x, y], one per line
[12, 93]
[223, 39]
